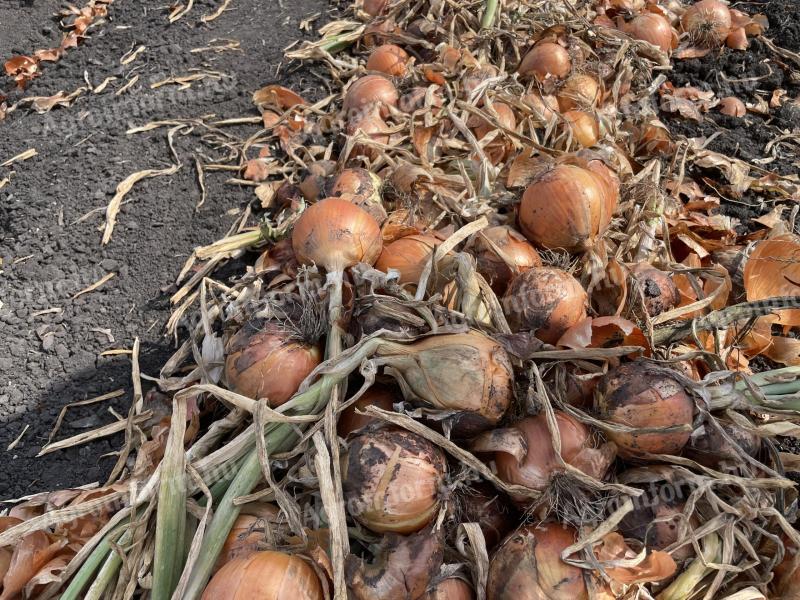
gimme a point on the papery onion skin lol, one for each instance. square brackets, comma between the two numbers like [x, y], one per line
[545, 300]
[374, 7]
[409, 255]
[336, 234]
[505, 116]
[643, 396]
[367, 91]
[652, 28]
[580, 90]
[528, 566]
[732, 107]
[513, 248]
[475, 77]
[388, 59]
[657, 288]
[707, 22]
[265, 362]
[452, 588]
[392, 480]
[546, 60]
[566, 207]
[378, 395]
[370, 123]
[362, 188]
[265, 576]
[245, 537]
[544, 106]
[492, 511]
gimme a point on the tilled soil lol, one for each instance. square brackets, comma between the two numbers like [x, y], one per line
[50, 342]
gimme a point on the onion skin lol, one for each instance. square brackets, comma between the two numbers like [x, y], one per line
[245, 537]
[336, 234]
[641, 395]
[585, 128]
[652, 28]
[492, 512]
[546, 60]
[545, 300]
[265, 362]
[409, 255]
[370, 122]
[732, 107]
[544, 107]
[368, 91]
[374, 7]
[362, 188]
[659, 291]
[528, 566]
[505, 117]
[707, 22]
[566, 207]
[580, 90]
[452, 588]
[378, 395]
[388, 59]
[392, 480]
[502, 253]
[265, 576]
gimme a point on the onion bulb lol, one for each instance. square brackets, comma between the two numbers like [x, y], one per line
[378, 395]
[313, 185]
[546, 60]
[584, 127]
[659, 292]
[505, 116]
[336, 235]
[544, 300]
[265, 576]
[392, 480]
[362, 188]
[368, 91]
[580, 90]
[491, 511]
[707, 22]
[566, 207]
[374, 7]
[452, 588]
[266, 362]
[644, 397]
[371, 124]
[502, 253]
[539, 464]
[543, 106]
[708, 446]
[389, 59]
[528, 566]
[732, 107]
[652, 28]
[475, 77]
[654, 521]
[245, 536]
[409, 256]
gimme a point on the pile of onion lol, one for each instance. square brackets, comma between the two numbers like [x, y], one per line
[545, 300]
[266, 576]
[502, 253]
[567, 207]
[392, 480]
[265, 361]
[652, 402]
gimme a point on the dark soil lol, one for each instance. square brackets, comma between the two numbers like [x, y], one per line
[49, 359]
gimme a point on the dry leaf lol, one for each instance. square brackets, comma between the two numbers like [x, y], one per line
[34, 551]
[655, 566]
[604, 332]
[277, 96]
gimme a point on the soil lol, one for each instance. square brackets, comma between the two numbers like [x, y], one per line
[50, 342]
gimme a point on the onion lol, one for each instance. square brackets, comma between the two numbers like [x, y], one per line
[773, 269]
[708, 446]
[502, 253]
[370, 90]
[374, 7]
[579, 91]
[372, 124]
[632, 6]
[566, 207]
[652, 28]
[544, 300]
[657, 288]
[643, 396]
[392, 480]
[266, 362]
[362, 188]
[389, 59]
[376, 31]
[265, 576]
[506, 118]
[707, 22]
[452, 588]
[475, 77]
[378, 395]
[494, 514]
[584, 127]
[409, 256]
[537, 467]
[415, 98]
[468, 373]
[279, 258]
[653, 139]
[313, 185]
[732, 107]
[245, 536]
[545, 60]
[528, 566]
[654, 521]
[543, 106]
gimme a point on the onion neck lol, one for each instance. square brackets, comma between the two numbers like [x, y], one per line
[779, 389]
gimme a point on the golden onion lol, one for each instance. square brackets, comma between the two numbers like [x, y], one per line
[502, 253]
[546, 60]
[388, 59]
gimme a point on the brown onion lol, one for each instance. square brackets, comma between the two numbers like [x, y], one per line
[543, 106]
[371, 124]
[266, 362]
[540, 462]
[378, 395]
[732, 107]
[362, 188]
[409, 255]
[643, 396]
[452, 588]
[389, 59]
[392, 480]
[415, 99]
[370, 90]
[505, 116]
[476, 76]
[544, 60]
[528, 566]
[491, 511]
[566, 207]
[654, 521]
[707, 22]
[708, 446]
[579, 91]
[584, 127]
[652, 28]
[265, 576]
[657, 288]
[336, 234]
[313, 185]
[374, 7]
[502, 253]
[245, 537]
[545, 300]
